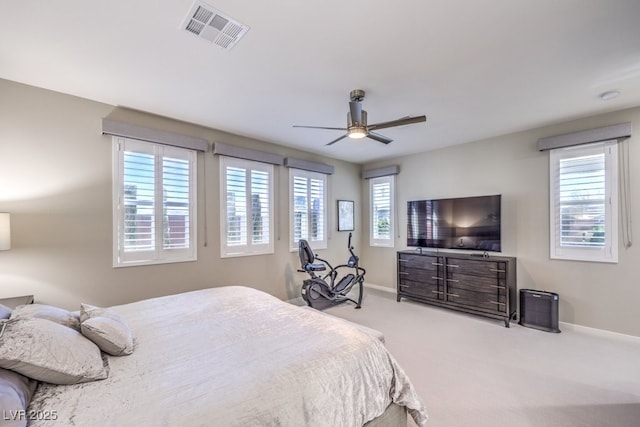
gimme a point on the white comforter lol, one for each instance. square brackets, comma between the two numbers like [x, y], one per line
[235, 356]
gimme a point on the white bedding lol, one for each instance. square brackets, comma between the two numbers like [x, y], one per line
[235, 356]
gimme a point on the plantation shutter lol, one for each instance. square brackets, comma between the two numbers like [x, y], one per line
[308, 208]
[309, 196]
[583, 202]
[247, 225]
[154, 205]
[381, 202]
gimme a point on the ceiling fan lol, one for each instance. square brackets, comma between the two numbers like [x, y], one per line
[357, 126]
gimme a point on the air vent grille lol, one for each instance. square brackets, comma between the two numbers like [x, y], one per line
[212, 25]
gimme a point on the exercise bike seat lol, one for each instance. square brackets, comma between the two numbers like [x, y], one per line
[314, 267]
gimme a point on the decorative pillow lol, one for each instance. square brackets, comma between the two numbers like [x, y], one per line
[47, 351]
[15, 394]
[88, 311]
[113, 337]
[5, 312]
[49, 312]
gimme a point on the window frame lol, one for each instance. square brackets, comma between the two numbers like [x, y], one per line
[248, 248]
[609, 251]
[159, 254]
[373, 240]
[308, 175]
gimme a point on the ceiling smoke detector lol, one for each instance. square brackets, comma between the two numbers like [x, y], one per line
[212, 25]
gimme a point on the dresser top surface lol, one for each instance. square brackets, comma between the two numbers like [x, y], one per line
[477, 257]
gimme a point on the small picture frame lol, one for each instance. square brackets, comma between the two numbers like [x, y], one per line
[345, 215]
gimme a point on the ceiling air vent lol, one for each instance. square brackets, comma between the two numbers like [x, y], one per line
[210, 24]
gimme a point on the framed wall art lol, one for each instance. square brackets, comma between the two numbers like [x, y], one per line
[345, 215]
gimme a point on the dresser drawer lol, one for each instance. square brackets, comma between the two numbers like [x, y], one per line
[478, 283]
[431, 290]
[494, 269]
[430, 263]
[480, 300]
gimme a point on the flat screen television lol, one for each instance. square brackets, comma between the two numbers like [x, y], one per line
[459, 223]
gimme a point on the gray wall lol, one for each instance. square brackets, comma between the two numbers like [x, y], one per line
[55, 179]
[597, 295]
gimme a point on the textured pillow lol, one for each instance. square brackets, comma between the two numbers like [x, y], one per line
[47, 351]
[49, 312]
[5, 312]
[88, 311]
[15, 394]
[113, 337]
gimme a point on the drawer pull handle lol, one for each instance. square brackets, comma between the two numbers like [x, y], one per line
[453, 265]
[453, 280]
[403, 260]
[437, 292]
[405, 286]
[436, 277]
[453, 295]
[436, 263]
[497, 270]
[496, 302]
[498, 286]
[402, 272]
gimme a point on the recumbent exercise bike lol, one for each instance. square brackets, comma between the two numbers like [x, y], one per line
[325, 290]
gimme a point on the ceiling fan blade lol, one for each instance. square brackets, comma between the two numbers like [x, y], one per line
[338, 139]
[399, 122]
[356, 112]
[318, 127]
[379, 137]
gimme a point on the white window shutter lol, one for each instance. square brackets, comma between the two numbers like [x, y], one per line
[246, 208]
[583, 201]
[154, 203]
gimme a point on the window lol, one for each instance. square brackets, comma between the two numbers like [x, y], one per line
[154, 206]
[584, 202]
[381, 196]
[308, 207]
[246, 207]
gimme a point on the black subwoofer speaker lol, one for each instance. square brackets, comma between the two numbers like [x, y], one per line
[539, 310]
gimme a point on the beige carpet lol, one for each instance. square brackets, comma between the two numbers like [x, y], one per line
[472, 371]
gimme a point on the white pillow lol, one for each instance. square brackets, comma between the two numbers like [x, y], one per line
[47, 351]
[110, 332]
[49, 312]
[88, 311]
[113, 337]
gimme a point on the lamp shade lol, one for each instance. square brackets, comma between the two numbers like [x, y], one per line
[5, 231]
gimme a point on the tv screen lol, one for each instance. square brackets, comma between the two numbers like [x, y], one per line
[460, 223]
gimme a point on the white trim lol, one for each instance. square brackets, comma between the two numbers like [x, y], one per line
[600, 332]
[609, 251]
[380, 242]
[246, 248]
[381, 288]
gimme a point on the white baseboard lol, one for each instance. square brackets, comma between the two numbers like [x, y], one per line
[600, 332]
[381, 288]
[569, 326]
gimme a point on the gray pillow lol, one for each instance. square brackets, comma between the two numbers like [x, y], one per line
[88, 311]
[49, 312]
[5, 312]
[113, 337]
[15, 394]
[110, 332]
[47, 351]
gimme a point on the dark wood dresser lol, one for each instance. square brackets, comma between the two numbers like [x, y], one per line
[483, 285]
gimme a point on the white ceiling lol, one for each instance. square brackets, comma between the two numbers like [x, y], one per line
[476, 68]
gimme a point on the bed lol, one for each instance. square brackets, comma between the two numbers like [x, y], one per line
[235, 356]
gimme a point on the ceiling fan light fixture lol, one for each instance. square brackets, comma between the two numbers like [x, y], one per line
[357, 132]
